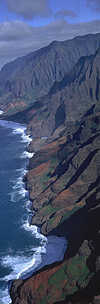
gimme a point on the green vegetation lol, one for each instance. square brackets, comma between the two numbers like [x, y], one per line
[77, 271]
[51, 221]
[74, 271]
[63, 153]
[94, 126]
[54, 161]
[43, 116]
[50, 210]
[58, 277]
[44, 186]
[58, 281]
[45, 176]
[69, 213]
[40, 288]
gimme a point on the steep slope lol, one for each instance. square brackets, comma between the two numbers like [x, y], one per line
[30, 77]
[11, 69]
[64, 185]
[68, 99]
[63, 180]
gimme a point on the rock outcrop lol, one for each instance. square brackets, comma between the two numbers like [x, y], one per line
[64, 184]
[63, 175]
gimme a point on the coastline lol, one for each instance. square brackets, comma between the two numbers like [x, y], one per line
[53, 251]
[52, 247]
[61, 176]
[55, 246]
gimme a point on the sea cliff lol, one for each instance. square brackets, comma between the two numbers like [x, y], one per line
[63, 180]
[60, 102]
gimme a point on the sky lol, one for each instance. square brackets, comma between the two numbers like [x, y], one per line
[28, 25]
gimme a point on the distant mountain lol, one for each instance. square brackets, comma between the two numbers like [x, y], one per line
[27, 78]
[12, 68]
[63, 175]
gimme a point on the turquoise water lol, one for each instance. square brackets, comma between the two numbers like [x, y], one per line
[22, 247]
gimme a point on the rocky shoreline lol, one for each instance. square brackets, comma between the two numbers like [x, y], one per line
[59, 100]
[63, 180]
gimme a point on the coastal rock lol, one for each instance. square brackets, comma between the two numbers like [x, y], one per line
[64, 175]
[37, 144]
[42, 199]
[59, 280]
[64, 186]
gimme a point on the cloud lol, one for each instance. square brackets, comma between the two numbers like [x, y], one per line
[64, 13]
[94, 4]
[17, 38]
[28, 9]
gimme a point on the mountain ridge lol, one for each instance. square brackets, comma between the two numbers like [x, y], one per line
[63, 176]
[69, 98]
[38, 73]
[63, 180]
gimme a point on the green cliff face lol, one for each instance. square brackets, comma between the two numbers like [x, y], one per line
[63, 176]
[64, 186]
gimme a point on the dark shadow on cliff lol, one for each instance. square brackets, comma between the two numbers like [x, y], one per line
[93, 262]
[62, 168]
[82, 167]
[91, 201]
[84, 224]
[23, 116]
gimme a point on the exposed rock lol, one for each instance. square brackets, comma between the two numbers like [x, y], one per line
[68, 98]
[26, 79]
[64, 184]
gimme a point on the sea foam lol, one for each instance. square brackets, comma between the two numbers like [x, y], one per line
[21, 265]
[1, 112]
[5, 297]
[21, 130]
[18, 189]
[50, 249]
[11, 125]
[27, 154]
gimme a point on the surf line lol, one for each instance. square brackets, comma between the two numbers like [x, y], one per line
[47, 252]
[36, 260]
[52, 249]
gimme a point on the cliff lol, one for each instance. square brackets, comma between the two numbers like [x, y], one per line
[28, 78]
[69, 98]
[56, 91]
[64, 183]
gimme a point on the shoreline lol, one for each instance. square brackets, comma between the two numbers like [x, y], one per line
[54, 252]
[48, 256]
[53, 246]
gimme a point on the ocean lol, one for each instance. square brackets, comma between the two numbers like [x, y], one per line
[22, 247]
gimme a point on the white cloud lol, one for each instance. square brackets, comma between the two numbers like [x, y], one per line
[28, 9]
[14, 30]
[17, 38]
[64, 13]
